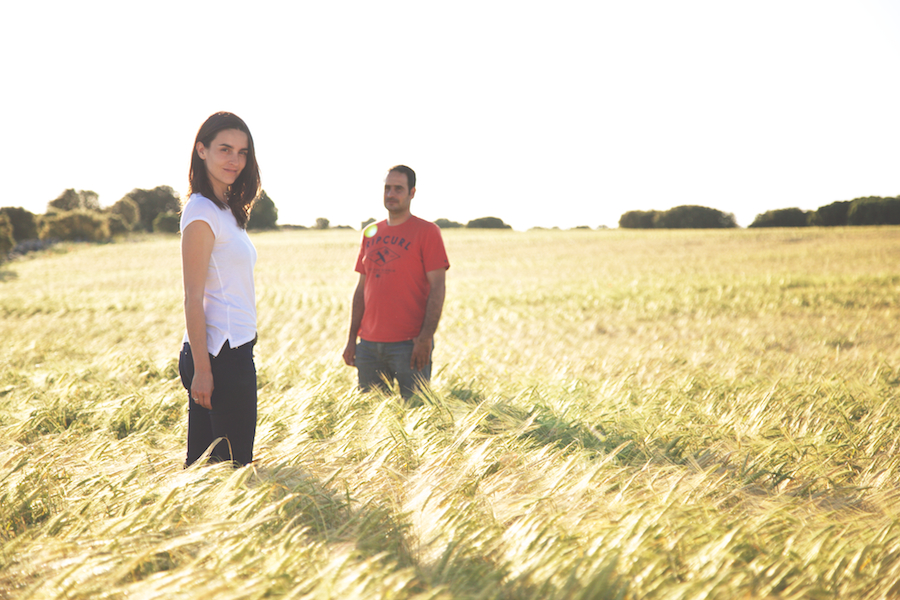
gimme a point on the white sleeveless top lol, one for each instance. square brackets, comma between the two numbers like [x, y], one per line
[229, 297]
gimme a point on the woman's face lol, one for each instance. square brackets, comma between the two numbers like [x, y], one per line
[225, 158]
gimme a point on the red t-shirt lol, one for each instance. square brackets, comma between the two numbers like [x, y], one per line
[395, 261]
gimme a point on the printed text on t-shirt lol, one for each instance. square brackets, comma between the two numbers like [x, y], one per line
[394, 240]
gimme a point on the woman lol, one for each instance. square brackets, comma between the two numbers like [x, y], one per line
[217, 257]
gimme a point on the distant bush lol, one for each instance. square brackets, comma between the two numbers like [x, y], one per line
[366, 223]
[639, 219]
[117, 225]
[264, 214]
[75, 225]
[831, 215]
[870, 210]
[128, 210]
[488, 223]
[151, 203]
[71, 200]
[7, 243]
[447, 224]
[679, 217]
[23, 223]
[874, 211]
[694, 217]
[782, 217]
[166, 222]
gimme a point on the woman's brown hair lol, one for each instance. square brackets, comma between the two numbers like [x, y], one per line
[245, 189]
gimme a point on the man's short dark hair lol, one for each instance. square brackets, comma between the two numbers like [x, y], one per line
[410, 174]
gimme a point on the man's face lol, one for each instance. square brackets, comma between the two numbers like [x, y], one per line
[397, 195]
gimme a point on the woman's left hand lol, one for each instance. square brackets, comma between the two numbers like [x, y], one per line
[202, 389]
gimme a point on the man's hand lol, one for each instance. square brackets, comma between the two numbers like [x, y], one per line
[356, 316]
[350, 353]
[421, 353]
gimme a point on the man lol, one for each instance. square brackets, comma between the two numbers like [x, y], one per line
[398, 300]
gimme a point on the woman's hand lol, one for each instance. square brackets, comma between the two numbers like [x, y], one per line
[202, 388]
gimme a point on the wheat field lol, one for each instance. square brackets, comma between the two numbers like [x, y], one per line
[614, 414]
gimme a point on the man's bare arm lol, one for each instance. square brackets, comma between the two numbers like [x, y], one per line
[424, 342]
[356, 315]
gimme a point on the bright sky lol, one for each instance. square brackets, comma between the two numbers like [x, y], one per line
[543, 114]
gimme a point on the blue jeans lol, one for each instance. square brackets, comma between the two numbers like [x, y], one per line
[380, 363]
[233, 414]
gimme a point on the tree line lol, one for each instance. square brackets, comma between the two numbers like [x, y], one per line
[78, 216]
[870, 210]
[679, 217]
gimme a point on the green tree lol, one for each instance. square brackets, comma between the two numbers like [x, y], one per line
[264, 214]
[782, 217]
[167, 222]
[128, 210]
[23, 222]
[72, 200]
[639, 219]
[831, 215]
[7, 243]
[487, 223]
[151, 203]
[322, 223]
[366, 223]
[75, 225]
[447, 224]
[874, 210]
[694, 217]
[117, 225]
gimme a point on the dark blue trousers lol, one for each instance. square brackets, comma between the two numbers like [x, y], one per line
[233, 414]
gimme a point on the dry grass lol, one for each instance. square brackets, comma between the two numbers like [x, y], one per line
[615, 414]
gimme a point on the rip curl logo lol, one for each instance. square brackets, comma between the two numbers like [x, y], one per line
[382, 256]
[392, 240]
